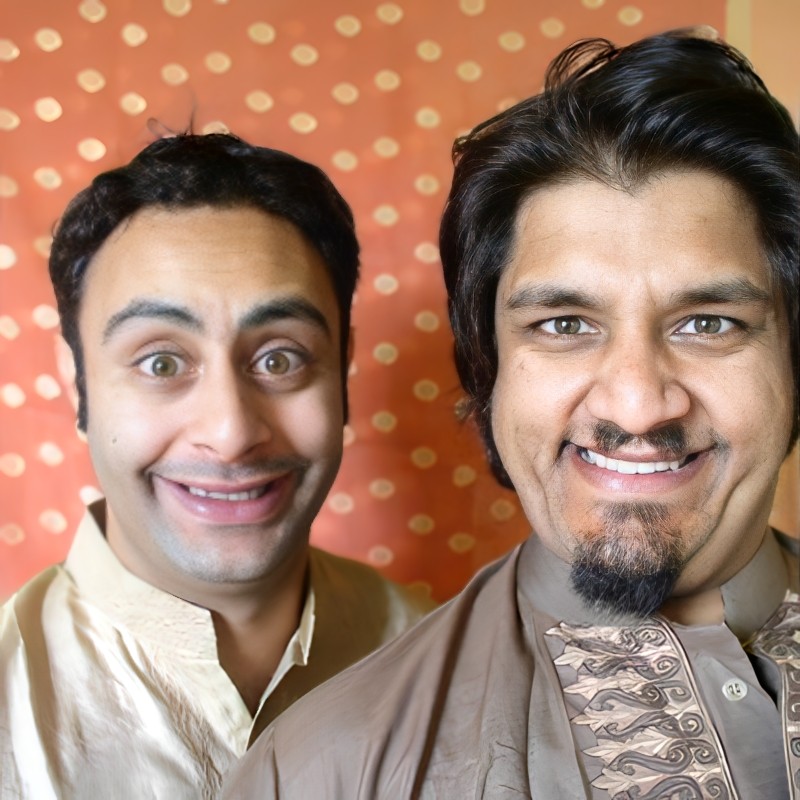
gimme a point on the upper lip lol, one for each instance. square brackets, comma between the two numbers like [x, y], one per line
[638, 457]
[224, 487]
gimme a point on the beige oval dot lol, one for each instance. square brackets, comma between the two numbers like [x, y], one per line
[551, 27]
[12, 465]
[92, 10]
[511, 41]
[502, 510]
[384, 421]
[426, 184]
[348, 435]
[427, 321]
[386, 215]
[259, 101]
[353, 368]
[47, 178]
[302, 122]
[45, 317]
[89, 494]
[134, 35]
[426, 252]
[7, 257]
[91, 80]
[421, 524]
[386, 284]
[593, 4]
[53, 521]
[345, 93]
[426, 390]
[630, 15]
[341, 503]
[389, 13]
[215, 126]
[423, 457]
[48, 39]
[380, 555]
[47, 386]
[50, 454]
[387, 80]
[91, 149]
[472, 7]
[381, 488]
[12, 534]
[461, 542]
[386, 147]
[174, 74]
[427, 117]
[43, 244]
[9, 329]
[464, 475]
[218, 62]
[261, 33]
[132, 103]
[344, 160]
[348, 25]
[178, 8]
[80, 434]
[385, 353]
[8, 186]
[469, 71]
[506, 103]
[8, 120]
[48, 109]
[8, 50]
[12, 395]
[304, 54]
[428, 50]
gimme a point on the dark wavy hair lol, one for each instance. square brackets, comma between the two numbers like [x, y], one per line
[618, 116]
[188, 171]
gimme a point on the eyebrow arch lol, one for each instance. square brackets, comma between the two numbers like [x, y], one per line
[738, 291]
[547, 295]
[284, 308]
[151, 309]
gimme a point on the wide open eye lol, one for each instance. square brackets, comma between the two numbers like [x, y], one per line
[279, 362]
[161, 365]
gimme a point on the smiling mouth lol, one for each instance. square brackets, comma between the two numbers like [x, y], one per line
[633, 467]
[230, 497]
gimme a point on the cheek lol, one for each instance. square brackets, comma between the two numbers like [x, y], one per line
[311, 422]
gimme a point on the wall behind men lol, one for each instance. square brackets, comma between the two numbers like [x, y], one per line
[374, 92]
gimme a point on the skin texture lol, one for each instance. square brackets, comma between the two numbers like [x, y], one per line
[642, 326]
[211, 346]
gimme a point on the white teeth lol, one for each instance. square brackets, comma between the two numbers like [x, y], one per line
[627, 467]
[231, 497]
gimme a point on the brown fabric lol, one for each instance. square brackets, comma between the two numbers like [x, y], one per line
[471, 704]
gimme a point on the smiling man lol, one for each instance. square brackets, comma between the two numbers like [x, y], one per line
[621, 258]
[204, 292]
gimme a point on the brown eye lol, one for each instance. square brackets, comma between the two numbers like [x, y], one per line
[161, 366]
[707, 324]
[567, 325]
[277, 363]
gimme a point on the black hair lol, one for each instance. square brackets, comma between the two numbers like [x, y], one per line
[189, 171]
[618, 116]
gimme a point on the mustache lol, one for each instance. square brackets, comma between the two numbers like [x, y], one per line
[265, 468]
[610, 437]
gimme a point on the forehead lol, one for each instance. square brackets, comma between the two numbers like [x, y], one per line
[218, 262]
[677, 229]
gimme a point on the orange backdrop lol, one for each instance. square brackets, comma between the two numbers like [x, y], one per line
[372, 92]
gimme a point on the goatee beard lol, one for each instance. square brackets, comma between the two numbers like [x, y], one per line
[630, 568]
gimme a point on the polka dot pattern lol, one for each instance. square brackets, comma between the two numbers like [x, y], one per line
[373, 92]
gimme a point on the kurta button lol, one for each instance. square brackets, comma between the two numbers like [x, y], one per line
[734, 689]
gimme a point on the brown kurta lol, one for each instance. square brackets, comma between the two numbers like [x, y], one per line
[496, 696]
[111, 688]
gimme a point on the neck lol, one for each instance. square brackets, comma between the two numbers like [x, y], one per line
[702, 608]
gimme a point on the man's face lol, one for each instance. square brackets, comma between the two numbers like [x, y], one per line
[211, 347]
[643, 399]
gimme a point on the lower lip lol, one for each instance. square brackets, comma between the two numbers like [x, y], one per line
[652, 483]
[226, 512]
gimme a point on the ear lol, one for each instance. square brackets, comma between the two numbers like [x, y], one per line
[65, 364]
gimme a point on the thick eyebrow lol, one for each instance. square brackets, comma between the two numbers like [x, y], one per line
[152, 309]
[547, 295]
[261, 314]
[739, 291]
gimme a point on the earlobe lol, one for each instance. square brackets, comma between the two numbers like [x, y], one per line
[65, 364]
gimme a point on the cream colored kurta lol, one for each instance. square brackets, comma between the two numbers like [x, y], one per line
[110, 688]
[513, 690]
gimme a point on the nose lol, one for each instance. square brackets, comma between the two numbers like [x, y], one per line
[637, 386]
[229, 415]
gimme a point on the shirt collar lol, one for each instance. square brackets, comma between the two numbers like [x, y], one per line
[749, 597]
